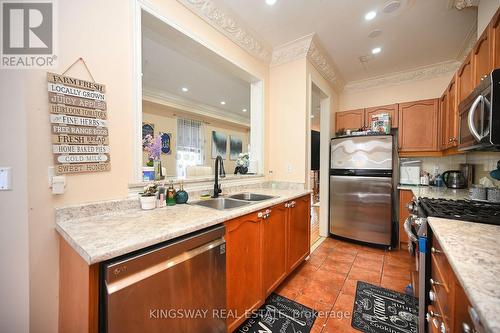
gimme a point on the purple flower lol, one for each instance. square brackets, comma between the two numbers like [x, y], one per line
[152, 146]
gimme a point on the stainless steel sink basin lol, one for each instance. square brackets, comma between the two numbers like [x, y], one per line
[251, 197]
[221, 203]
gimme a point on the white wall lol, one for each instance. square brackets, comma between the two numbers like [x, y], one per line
[14, 247]
[485, 12]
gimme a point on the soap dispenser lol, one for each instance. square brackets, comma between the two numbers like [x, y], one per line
[181, 197]
[171, 194]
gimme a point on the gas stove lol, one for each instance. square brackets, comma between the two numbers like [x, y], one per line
[465, 210]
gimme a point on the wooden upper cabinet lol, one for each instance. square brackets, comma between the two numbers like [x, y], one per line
[452, 114]
[481, 57]
[299, 231]
[353, 119]
[274, 239]
[392, 110]
[418, 126]
[464, 79]
[243, 265]
[495, 41]
[443, 121]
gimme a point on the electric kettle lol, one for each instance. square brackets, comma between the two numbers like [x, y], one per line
[454, 179]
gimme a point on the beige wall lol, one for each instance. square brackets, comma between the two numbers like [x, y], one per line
[165, 120]
[485, 12]
[396, 93]
[287, 122]
[100, 32]
[14, 246]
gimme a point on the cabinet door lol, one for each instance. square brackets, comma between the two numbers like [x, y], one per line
[243, 266]
[405, 196]
[481, 57]
[299, 226]
[443, 121]
[349, 119]
[392, 110]
[464, 79]
[452, 114]
[495, 40]
[418, 126]
[274, 248]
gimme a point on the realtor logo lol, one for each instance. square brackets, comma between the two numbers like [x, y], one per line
[27, 34]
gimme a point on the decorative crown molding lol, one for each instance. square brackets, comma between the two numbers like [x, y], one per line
[421, 73]
[227, 23]
[309, 46]
[461, 4]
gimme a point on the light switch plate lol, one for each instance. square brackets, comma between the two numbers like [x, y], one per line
[5, 178]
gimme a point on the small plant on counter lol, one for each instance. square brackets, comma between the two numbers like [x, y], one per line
[148, 197]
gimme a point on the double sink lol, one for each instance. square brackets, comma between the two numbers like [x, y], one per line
[233, 201]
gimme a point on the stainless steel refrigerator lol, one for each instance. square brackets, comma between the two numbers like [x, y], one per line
[361, 188]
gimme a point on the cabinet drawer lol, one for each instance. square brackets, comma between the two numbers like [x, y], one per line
[439, 259]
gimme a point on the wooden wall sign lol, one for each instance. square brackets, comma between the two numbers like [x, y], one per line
[78, 117]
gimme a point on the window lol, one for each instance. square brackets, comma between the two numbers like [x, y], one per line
[190, 142]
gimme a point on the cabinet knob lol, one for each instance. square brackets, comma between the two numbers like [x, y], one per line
[466, 328]
[442, 328]
[435, 283]
[260, 214]
[434, 250]
[292, 204]
[435, 314]
[432, 296]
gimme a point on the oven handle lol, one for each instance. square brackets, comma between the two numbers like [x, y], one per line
[407, 228]
[472, 112]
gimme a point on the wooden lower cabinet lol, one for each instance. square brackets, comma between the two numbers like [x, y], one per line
[243, 265]
[274, 257]
[299, 227]
[449, 308]
[262, 249]
[405, 196]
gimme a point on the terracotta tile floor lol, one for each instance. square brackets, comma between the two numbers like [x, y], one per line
[327, 281]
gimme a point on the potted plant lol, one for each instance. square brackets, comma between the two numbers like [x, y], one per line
[148, 197]
[153, 148]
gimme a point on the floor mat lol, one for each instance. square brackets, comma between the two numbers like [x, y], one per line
[280, 315]
[378, 310]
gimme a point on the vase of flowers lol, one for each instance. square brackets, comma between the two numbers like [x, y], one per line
[242, 163]
[152, 146]
[148, 197]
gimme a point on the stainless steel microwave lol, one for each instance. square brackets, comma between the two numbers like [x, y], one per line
[479, 127]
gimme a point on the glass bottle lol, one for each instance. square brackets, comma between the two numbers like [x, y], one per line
[171, 194]
[181, 197]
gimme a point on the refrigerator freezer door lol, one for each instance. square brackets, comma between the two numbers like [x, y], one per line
[362, 152]
[360, 208]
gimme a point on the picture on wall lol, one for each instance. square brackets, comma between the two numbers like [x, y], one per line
[235, 147]
[219, 144]
[147, 129]
[165, 143]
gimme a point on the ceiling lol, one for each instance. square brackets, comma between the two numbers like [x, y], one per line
[419, 33]
[172, 61]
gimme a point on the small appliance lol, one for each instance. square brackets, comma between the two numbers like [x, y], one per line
[409, 172]
[454, 179]
[468, 172]
[479, 113]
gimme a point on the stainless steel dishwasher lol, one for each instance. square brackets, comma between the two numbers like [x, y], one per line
[179, 286]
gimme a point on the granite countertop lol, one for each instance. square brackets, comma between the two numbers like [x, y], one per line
[107, 235]
[436, 192]
[474, 254]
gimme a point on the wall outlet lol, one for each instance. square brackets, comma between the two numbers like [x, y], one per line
[5, 178]
[289, 168]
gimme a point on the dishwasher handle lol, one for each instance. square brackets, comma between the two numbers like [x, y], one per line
[128, 280]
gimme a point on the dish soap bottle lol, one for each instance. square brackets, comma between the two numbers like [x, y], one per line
[181, 197]
[171, 194]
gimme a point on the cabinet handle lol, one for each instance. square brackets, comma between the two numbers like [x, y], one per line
[287, 205]
[442, 329]
[435, 251]
[436, 283]
[292, 204]
[260, 215]
[432, 296]
[435, 314]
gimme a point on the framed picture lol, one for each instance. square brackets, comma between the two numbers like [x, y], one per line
[165, 143]
[219, 144]
[147, 129]
[235, 147]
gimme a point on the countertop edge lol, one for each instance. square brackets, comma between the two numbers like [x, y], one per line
[453, 265]
[91, 260]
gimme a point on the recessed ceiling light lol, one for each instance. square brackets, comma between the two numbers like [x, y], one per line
[370, 15]
[270, 2]
[244, 110]
[391, 6]
[223, 103]
[375, 33]
[376, 50]
[185, 89]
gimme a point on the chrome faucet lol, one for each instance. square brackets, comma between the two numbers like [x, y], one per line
[219, 171]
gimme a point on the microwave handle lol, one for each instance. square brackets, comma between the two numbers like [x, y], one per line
[472, 111]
